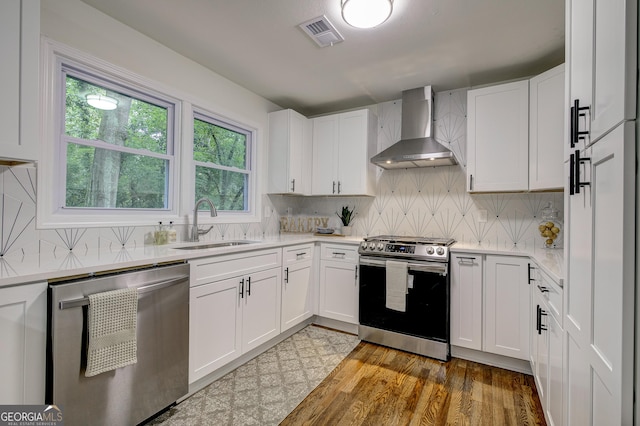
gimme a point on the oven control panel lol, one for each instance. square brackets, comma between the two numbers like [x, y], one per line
[400, 248]
[407, 250]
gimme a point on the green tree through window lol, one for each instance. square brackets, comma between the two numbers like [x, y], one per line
[220, 153]
[116, 159]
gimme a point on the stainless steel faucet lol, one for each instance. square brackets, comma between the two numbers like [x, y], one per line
[195, 232]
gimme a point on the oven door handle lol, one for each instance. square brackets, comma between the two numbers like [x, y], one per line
[433, 267]
[372, 262]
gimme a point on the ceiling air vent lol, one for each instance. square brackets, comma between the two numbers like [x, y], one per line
[322, 31]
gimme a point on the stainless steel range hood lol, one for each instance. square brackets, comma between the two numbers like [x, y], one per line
[417, 147]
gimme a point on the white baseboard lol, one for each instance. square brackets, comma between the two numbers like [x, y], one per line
[500, 361]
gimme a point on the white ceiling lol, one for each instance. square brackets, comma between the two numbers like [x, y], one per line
[446, 43]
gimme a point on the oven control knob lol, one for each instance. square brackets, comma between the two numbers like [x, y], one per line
[380, 246]
[430, 250]
[440, 251]
[364, 245]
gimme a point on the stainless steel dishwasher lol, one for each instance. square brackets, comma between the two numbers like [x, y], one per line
[131, 394]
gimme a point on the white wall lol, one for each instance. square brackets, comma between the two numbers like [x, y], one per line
[84, 28]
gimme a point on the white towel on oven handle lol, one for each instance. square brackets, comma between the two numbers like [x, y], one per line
[396, 285]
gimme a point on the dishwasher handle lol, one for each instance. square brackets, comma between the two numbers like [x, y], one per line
[153, 286]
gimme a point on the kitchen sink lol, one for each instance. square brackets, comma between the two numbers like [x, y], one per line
[216, 245]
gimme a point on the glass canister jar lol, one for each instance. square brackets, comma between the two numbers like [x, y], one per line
[550, 227]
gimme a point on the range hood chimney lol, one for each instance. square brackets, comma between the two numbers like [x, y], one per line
[417, 147]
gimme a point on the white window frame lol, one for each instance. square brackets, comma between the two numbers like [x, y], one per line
[63, 140]
[216, 120]
[51, 174]
[181, 201]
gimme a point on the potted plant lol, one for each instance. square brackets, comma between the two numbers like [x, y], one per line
[346, 216]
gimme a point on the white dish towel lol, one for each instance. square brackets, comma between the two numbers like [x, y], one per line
[112, 321]
[396, 297]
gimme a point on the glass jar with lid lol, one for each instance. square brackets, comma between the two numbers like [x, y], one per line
[550, 228]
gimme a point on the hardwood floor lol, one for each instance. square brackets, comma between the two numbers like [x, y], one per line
[376, 385]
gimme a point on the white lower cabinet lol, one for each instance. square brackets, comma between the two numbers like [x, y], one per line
[547, 344]
[297, 285]
[466, 300]
[339, 282]
[507, 300]
[23, 327]
[234, 307]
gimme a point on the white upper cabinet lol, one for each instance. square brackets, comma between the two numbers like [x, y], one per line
[19, 114]
[498, 138]
[289, 153]
[546, 130]
[601, 50]
[342, 146]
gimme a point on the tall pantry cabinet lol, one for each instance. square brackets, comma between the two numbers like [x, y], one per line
[600, 155]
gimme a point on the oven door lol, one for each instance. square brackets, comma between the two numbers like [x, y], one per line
[427, 305]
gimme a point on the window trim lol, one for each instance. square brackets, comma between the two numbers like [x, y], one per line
[216, 120]
[53, 53]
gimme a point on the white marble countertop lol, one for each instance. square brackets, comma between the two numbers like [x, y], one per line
[60, 264]
[549, 260]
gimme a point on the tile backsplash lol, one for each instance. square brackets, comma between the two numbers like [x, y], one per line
[433, 201]
[19, 236]
[426, 202]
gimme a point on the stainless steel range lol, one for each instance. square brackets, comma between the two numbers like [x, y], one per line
[404, 293]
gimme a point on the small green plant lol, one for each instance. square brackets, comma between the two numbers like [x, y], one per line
[346, 216]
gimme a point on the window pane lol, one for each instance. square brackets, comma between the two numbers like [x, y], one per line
[133, 123]
[218, 145]
[110, 179]
[225, 188]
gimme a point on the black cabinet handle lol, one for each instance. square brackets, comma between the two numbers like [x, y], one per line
[249, 286]
[529, 268]
[543, 327]
[470, 182]
[538, 319]
[301, 254]
[293, 185]
[573, 122]
[572, 174]
[339, 187]
[543, 289]
[242, 288]
[577, 162]
[286, 275]
[334, 187]
[356, 273]
[576, 113]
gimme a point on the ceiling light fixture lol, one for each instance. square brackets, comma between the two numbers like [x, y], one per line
[366, 13]
[102, 102]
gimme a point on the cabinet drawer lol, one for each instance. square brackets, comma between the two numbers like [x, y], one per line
[552, 293]
[343, 252]
[297, 253]
[221, 267]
